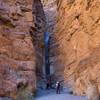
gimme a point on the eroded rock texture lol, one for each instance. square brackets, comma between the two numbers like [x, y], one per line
[50, 10]
[17, 53]
[40, 28]
[77, 37]
[45, 20]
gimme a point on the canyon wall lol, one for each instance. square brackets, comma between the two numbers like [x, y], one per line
[77, 36]
[38, 34]
[50, 10]
[17, 52]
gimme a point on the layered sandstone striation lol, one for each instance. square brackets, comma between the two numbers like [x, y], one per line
[17, 53]
[77, 36]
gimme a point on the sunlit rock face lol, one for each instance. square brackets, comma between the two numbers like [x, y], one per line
[77, 36]
[17, 53]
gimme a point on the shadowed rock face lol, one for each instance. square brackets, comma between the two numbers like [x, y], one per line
[17, 53]
[40, 28]
[77, 35]
[50, 10]
[45, 20]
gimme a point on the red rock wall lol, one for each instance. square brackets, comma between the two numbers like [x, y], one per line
[77, 37]
[17, 52]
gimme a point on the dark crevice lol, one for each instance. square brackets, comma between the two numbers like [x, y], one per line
[37, 34]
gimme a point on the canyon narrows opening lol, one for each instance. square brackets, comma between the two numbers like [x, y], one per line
[45, 20]
[49, 7]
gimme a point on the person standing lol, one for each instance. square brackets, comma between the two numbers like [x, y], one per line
[48, 84]
[58, 85]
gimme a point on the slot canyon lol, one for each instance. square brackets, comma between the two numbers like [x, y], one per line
[38, 38]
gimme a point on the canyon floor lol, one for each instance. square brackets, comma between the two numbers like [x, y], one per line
[51, 95]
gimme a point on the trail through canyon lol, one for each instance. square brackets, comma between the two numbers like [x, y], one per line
[51, 95]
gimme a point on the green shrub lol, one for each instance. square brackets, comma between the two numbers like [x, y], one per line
[24, 94]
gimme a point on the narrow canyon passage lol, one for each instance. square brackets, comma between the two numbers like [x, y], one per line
[45, 20]
[75, 43]
[56, 39]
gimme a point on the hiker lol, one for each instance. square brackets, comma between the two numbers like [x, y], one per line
[48, 84]
[58, 85]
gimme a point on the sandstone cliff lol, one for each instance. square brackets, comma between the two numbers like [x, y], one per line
[17, 53]
[77, 35]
